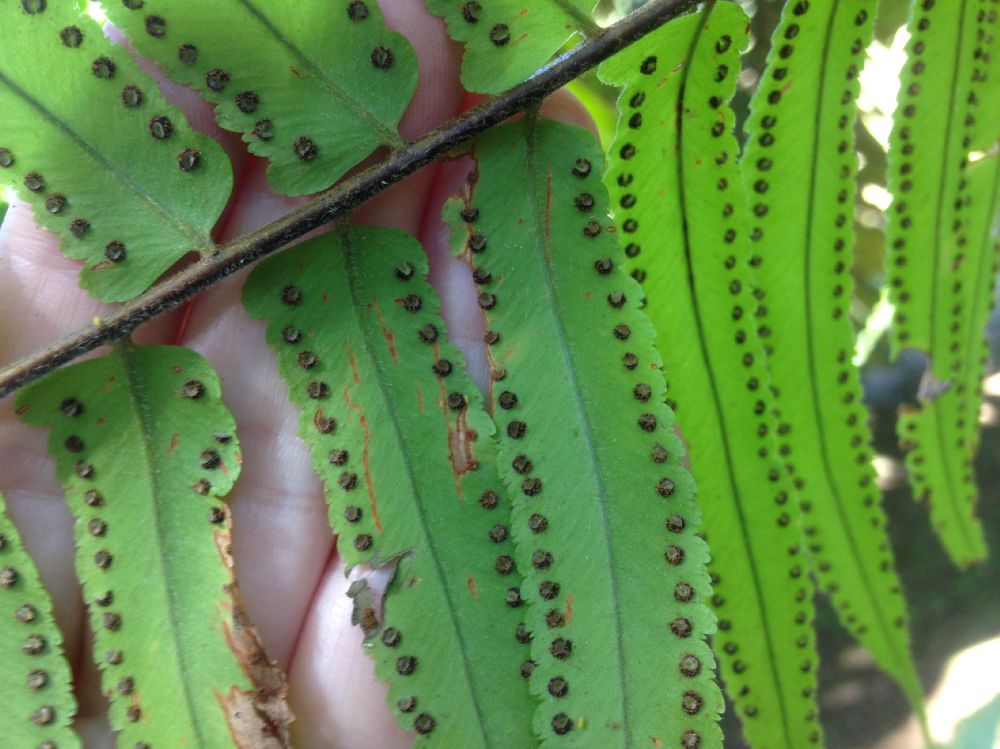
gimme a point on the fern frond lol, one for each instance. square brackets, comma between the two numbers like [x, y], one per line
[941, 259]
[676, 191]
[144, 448]
[604, 517]
[314, 87]
[35, 679]
[798, 167]
[399, 437]
[508, 40]
[90, 143]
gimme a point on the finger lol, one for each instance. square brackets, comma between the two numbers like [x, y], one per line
[345, 693]
[281, 537]
[437, 99]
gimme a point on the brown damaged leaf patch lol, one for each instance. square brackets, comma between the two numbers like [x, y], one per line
[257, 719]
[460, 439]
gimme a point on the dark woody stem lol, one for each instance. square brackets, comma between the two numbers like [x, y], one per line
[344, 197]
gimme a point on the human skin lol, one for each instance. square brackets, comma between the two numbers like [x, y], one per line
[291, 578]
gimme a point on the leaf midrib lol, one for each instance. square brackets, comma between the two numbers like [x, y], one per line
[811, 343]
[724, 432]
[586, 432]
[197, 236]
[388, 135]
[368, 338]
[145, 418]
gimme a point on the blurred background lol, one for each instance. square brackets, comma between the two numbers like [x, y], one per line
[955, 615]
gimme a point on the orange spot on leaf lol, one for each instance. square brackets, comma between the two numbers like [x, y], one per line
[366, 454]
[389, 336]
[354, 365]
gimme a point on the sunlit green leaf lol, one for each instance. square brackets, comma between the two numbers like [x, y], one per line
[89, 142]
[604, 517]
[797, 167]
[38, 703]
[943, 251]
[399, 436]
[678, 197]
[144, 449]
[313, 86]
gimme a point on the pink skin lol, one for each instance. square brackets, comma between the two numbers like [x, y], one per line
[286, 563]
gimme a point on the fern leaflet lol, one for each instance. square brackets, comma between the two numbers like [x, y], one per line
[326, 84]
[508, 40]
[679, 201]
[399, 436]
[144, 448]
[799, 181]
[604, 518]
[90, 143]
[38, 703]
[942, 258]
